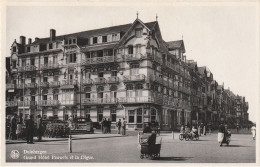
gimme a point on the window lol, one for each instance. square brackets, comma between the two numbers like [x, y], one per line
[45, 79]
[14, 64]
[113, 114]
[153, 115]
[100, 114]
[114, 37]
[104, 38]
[139, 115]
[32, 62]
[130, 49]
[55, 59]
[87, 95]
[139, 90]
[14, 49]
[72, 58]
[33, 80]
[134, 69]
[131, 116]
[101, 75]
[87, 113]
[28, 49]
[88, 55]
[45, 60]
[50, 46]
[32, 98]
[114, 73]
[138, 33]
[74, 41]
[138, 49]
[94, 40]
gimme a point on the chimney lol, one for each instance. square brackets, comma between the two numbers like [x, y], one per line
[52, 34]
[36, 39]
[29, 40]
[22, 40]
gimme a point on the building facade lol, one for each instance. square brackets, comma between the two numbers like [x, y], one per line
[125, 71]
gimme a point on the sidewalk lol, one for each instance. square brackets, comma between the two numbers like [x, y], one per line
[96, 135]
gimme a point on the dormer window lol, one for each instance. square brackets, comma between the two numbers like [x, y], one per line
[74, 41]
[14, 49]
[114, 37]
[28, 48]
[138, 32]
[104, 38]
[50, 46]
[94, 40]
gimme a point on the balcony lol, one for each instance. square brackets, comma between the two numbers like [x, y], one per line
[142, 99]
[68, 102]
[20, 86]
[113, 79]
[27, 68]
[49, 66]
[11, 103]
[94, 101]
[26, 103]
[98, 60]
[157, 59]
[68, 84]
[54, 84]
[131, 78]
[10, 86]
[49, 102]
[132, 57]
[31, 85]
[100, 80]
[172, 66]
[87, 82]
[156, 78]
[44, 84]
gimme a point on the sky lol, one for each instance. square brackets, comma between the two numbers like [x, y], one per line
[222, 37]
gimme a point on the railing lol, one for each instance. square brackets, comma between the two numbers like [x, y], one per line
[141, 99]
[157, 59]
[54, 84]
[10, 86]
[44, 84]
[130, 57]
[49, 102]
[26, 103]
[99, 101]
[97, 60]
[20, 86]
[49, 66]
[69, 82]
[14, 70]
[100, 80]
[11, 103]
[68, 102]
[27, 68]
[172, 66]
[87, 81]
[113, 79]
[31, 85]
[139, 77]
[156, 78]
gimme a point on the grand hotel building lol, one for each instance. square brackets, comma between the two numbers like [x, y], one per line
[126, 71]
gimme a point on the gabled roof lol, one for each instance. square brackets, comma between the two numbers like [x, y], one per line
[175, 44]
[89, 33]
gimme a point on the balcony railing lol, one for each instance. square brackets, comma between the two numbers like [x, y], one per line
[27, 68]
[131, 57]
[10, 86]
[31, 85]
[141, 99]
[100, 80]
[99, 101]
[44, 84]
[165, 82]
[54, 84]
[68, 102]
[172, 66]
[49, 66]
[87, 82]
[113, 79]
[98, 60]
[49, 102]
[129, 78]
[11, 103]
[69, 82]
[26, 103]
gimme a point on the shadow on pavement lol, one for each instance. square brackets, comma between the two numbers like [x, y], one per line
[234, 146]
[173, 158]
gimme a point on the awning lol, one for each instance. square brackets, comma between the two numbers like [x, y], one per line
[99, 47]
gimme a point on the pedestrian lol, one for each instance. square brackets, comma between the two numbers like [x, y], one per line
[13, 127]
[119, 126]
[102, 125]
[39, 128]
[237, 128]
[105, 125]
[124, 127]
[30, 130]
[199, 130]
[253, 130]
[182, 129]
[204, 130]
[221, 133]
[70, 124]
[108, 125]
[18, 130]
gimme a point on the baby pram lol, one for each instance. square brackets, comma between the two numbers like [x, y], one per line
[149, 148]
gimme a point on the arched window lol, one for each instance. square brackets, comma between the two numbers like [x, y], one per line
[100, 88]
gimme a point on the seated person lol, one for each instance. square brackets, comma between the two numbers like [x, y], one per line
[194, 131]
[182, 129]
[152, 139]
[187, 129]
[147, 129]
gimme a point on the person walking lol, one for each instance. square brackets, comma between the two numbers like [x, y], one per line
[105, 125]
[221, 133]
[13, 127]
[119, 126]
[18, 130]
[124, 127]
[30, 130]
[237, 128]
[253, 130]
[39, 128]
[199, 130]
[108, 125]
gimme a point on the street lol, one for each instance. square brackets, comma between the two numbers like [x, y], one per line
[125, 150]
